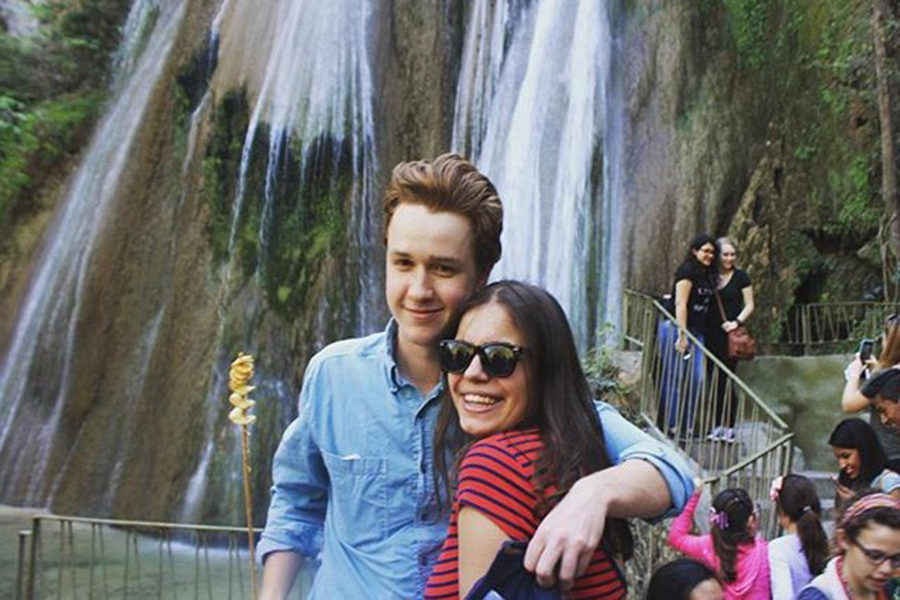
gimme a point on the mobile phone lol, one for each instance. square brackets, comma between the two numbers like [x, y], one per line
[865, 349]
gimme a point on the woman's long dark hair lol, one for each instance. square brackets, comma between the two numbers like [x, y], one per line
[856, 433]
[561, 406]
[799, 502]
[738, 508]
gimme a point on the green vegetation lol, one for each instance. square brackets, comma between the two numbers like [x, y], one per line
[750, 24]
[289, 237]
[52, 87]
[604, 374]
[836, 146]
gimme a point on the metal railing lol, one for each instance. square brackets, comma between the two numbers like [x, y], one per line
[835, 326]
[679, 394]
[75, 557]
[678, 397]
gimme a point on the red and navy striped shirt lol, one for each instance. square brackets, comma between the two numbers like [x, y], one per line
[495, 478]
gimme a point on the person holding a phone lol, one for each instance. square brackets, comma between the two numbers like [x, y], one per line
[862, 368]
[862, 462]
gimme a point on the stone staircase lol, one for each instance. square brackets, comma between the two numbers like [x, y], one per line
[825, 488]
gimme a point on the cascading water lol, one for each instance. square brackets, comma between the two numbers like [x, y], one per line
[532, 112]
[18, 16]
[314, 103]
[287, 86]
[36, 374]
[317, 84]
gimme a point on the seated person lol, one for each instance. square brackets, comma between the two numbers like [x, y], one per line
[862, 462]
[867, 539]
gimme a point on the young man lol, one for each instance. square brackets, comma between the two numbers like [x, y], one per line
[883, 392]
[353, 475]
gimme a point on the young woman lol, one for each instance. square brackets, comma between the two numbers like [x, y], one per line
[856, 398]
[521, 411]
[736, 293]
[799, 555]
[685, 579]
[868, 553]
[732, 548]
[682, 366]
[861, 460]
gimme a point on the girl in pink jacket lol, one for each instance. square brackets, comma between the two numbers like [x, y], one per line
[732, 548]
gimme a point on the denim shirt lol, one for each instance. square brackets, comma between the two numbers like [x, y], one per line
[353, 479]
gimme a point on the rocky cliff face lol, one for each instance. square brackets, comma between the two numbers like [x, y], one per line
[755, 120]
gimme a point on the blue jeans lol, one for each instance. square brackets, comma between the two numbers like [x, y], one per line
[681, 377]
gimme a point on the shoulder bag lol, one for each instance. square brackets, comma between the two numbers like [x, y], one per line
[741, 345]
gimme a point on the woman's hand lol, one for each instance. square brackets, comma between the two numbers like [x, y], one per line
[854, 369]
[729, 326]
[843, 492]
[681, 344]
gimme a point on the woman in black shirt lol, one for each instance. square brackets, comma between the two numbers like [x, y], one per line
[694, 281]
[736, 292]
[694, 293]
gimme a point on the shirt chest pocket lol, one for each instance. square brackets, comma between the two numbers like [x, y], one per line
[358, 504]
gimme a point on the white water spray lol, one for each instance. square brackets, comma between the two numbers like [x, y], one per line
[532, 113]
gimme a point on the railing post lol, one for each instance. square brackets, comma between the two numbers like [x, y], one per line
[805, 328]
[32, 564]
[20, 567]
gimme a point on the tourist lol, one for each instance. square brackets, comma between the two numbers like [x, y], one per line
[732, 548]
[883, 392]
[868, 553]
[521, 407]
[861, 460]
[682, 363]
[353, 480]
[731, 310]
[799, 555]
[684, 579]
[857, 397]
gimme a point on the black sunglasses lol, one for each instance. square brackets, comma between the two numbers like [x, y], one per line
[498, 359]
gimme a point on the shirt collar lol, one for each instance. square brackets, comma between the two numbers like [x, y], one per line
[390, 353]
[395, 378]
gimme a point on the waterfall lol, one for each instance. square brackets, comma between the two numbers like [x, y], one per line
[312, 96]
[317, 84]
[36, 373]
[532, 113]
[19, 18]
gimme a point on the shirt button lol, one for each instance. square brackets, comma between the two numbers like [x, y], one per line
[422, 467]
